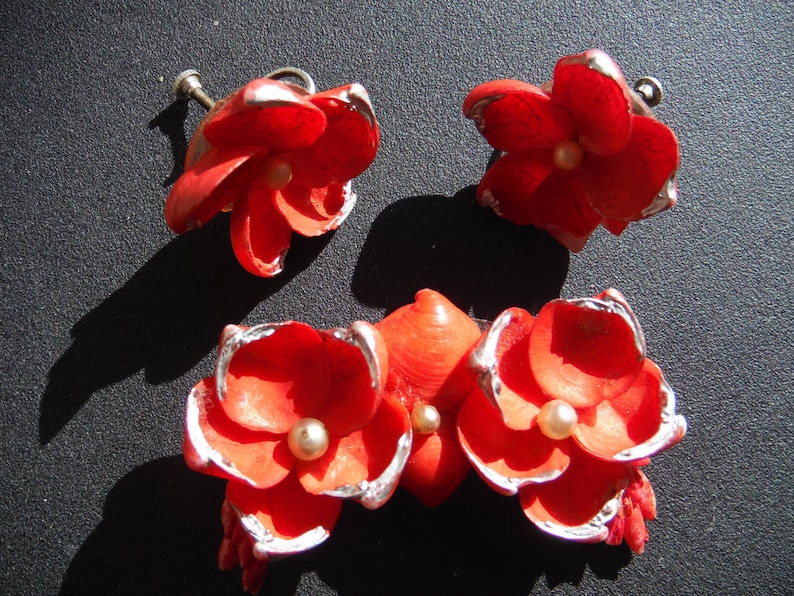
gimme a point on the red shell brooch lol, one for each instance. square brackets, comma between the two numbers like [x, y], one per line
[562, 409]
[581, 151]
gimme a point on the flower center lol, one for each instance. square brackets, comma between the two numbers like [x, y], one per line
[557, 419]
[308, 439]
[568, 155]
[425, 419]
[277, 172]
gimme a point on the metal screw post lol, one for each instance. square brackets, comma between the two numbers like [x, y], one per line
[650, 90]
[187, 85]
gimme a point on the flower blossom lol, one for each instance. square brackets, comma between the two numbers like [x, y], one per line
[295, 419]
[581, 151]
[281, 159]
[569, 407]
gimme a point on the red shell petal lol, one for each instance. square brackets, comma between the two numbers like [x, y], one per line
[203, 190]
[217, 446]
[314, 211]
[509, 186]
[507, 459]
[361, 456]
[624, 186]
[275, 381]
[518, 396]
[353, 396]
[347, 146]
[560, 207]
[428, 344]
[513, 116]
[266, 113]
[624, 421]
[577, 496]
[583, 354]
[592, 88]
[437, 465]
[260, 235]
[286, 510]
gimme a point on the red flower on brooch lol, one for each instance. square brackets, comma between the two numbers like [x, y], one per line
[570, 406]
[281, 159]
[579, 152]
[295, 419]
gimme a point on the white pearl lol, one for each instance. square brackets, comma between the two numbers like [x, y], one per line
[425, 419]
[308, 439]
[277, 172]
[568, 155]
[557, 419]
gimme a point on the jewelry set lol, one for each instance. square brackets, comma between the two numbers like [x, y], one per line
[562, 409]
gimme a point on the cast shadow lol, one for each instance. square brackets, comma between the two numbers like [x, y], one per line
[482, 263]
[161, 529]
[166, 318]
[171, 122]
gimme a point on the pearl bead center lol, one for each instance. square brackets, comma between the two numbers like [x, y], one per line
[425, 419]
[308, 439]
[568, 155]
[557, 419]
[277, 172]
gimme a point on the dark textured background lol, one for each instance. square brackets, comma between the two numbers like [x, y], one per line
[108, 319]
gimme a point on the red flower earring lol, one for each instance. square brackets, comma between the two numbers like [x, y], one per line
[581, 151]
[280, 157]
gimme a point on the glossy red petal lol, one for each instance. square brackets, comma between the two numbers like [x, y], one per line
[429, 342]
[285, 512]
[214, 181]
[266, 113]
[514, 116]
[560, 207]
[501, 362]
[217, 446]
[437, 465]
[354, 394]
[362, 458]
[585, 351]
[625, 186]
[509, 186]
[347, 146]
[577, 498]
[507, 459]
[277, 378]
[626, 420]
[260, 235]
[592, 88]
[315, 211]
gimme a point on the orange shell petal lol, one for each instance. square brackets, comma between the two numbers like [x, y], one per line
[271, 376]
[284, 519]
[315, 211]
[586, 351]
[579, 504]
[428, 344]
[501, 361]
[437, 465]
[366, 464]
[357, 363]
[507, 459]
[217, 446]
[625, 421]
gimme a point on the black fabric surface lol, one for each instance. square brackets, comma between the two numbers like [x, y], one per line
[109, 319]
